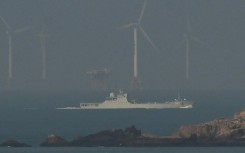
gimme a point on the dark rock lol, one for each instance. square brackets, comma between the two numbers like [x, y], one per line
[132, 133]
[104, 138]
[130, 137]
[113, 137]
[221, 132]
[14, 143]
[54, 141]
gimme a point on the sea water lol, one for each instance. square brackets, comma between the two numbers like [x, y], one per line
[31, 117]
[126, 150]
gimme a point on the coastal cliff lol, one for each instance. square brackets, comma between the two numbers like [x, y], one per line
[229, 131]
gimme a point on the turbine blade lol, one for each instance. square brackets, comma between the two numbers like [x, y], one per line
[201, 42]
[187, 57]
[5, 22]
[148, 38]
[22, 29]
[142, 11]
[127, 26]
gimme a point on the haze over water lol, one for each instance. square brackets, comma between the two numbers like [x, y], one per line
[83, 35]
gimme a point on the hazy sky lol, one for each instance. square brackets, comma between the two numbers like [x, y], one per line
[83, 35]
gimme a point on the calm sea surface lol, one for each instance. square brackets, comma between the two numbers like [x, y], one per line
[30, 117]
[123, 150]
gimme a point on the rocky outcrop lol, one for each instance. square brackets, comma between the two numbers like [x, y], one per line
[13, 143]
[113, 137]
[130, 137]
[221, 131]
[54, 141]
[240, 114]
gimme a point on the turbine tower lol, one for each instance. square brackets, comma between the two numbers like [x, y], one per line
[188, 37]
[10, 33]
[136, 82]
[43, 37]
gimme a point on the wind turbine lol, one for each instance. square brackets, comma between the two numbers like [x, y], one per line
[137, 27]
[188, 37]
[43, 37]
[10, 33]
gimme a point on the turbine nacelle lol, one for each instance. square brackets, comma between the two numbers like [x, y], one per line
[24, 29]
[133, 24]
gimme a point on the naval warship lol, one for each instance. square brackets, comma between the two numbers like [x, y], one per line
[120, 101]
